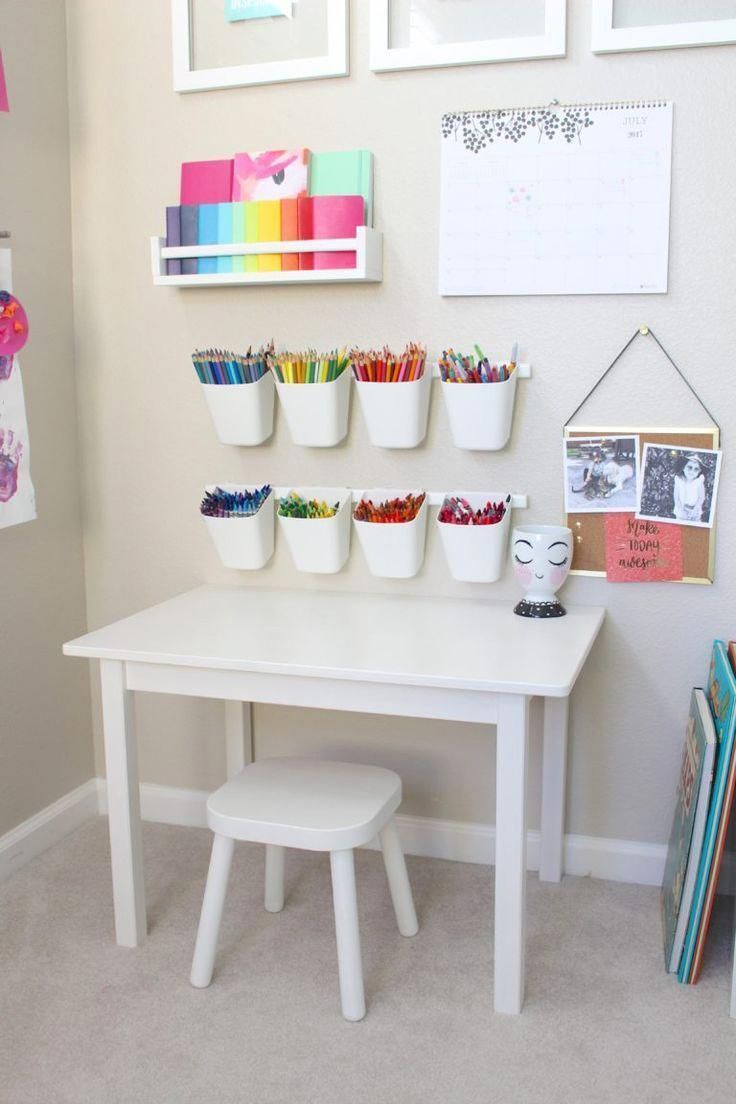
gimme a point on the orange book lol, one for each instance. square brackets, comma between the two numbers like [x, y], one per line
[289, 232]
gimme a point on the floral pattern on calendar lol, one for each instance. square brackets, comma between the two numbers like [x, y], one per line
[479, 129]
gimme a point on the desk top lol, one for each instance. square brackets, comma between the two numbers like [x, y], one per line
[381, 638]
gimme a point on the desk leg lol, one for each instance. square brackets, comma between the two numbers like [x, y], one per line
[554, 769]
[238, 736]
[512, 745]
[123, 805]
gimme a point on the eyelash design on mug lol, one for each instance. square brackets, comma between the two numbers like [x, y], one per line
[557, 563]
[517, 557]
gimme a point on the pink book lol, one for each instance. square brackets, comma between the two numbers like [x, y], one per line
[270, 174]
[206, 182]
[336, 217]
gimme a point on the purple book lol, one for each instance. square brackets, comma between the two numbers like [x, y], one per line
[173, 237]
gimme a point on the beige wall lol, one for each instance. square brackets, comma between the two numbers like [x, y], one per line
[148, 447]
[45, 728]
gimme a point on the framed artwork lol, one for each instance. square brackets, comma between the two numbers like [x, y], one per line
[419, 34]
[657, 25]
[640, 545]
[231, 43]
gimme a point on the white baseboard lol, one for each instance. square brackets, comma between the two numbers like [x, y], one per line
[586, 856]
[615, 860]
[47, 827]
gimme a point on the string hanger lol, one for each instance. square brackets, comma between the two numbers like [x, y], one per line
[645, 331]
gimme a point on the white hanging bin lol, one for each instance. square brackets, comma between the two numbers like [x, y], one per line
[242, 413]
[317, 413]
[396, 413]
[476, 553]
[480, 413]
[244, 543]
[393, 550]
[319, 545]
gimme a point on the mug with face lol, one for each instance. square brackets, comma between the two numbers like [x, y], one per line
[542, 555]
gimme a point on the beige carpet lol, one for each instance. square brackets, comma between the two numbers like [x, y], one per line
[84, 1021]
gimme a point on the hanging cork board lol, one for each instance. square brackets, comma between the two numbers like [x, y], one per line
[589, 530]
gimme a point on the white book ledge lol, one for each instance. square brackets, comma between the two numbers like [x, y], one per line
[367, 245]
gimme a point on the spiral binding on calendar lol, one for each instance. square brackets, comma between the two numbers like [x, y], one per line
[602, 105]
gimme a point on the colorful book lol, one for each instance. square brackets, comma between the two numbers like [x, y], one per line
[270, 174]
[238, 234]
[206, 182]
[251, 233]
[329, 217]
[346, 172]
[722, 698]
[688, 827]
[305, 228]
[207, 235]
[269, 230]
[289, 232]
[173, 238]
[189, 219]
[224, 235]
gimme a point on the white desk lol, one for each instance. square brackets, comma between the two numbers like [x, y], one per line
[450, 659]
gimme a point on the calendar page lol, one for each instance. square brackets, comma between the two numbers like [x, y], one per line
[560, 200]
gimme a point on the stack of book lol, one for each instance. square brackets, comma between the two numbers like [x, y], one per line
[271, 196]
[705, 795]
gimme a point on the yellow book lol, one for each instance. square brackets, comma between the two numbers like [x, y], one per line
[251, 233]
[269, 230]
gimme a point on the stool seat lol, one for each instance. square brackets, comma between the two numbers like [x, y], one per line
[308, 804]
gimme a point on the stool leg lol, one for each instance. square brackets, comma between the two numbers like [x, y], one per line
[205, 948]
[274, 894]
[398, 880]
[349, 962]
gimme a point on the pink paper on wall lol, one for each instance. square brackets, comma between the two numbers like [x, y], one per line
[4, 105]
[642, 551]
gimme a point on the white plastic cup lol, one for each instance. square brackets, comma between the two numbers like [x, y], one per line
[476, 553]
[317, 413]
[319, 545]
[244, 543]
[393, 550]
[242, 413]
[480, 413]
[396, 413]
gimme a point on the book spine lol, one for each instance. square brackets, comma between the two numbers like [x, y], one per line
[239, 234]
[289, 232]
[224, 234]
[173, 238]
[189, 236]
[269, 229]
[305, 229]
[207, 235]
[251, 232]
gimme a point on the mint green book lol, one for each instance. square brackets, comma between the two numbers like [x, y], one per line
[251, 232]
[224, 234]
[238, 234]
[345, 172]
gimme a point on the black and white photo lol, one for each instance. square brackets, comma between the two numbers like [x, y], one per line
[679, 485]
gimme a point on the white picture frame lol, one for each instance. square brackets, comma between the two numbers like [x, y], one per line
[384, 58]
[608, 39]
[334, 63]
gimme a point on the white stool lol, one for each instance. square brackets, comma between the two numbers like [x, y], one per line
[312, 805]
